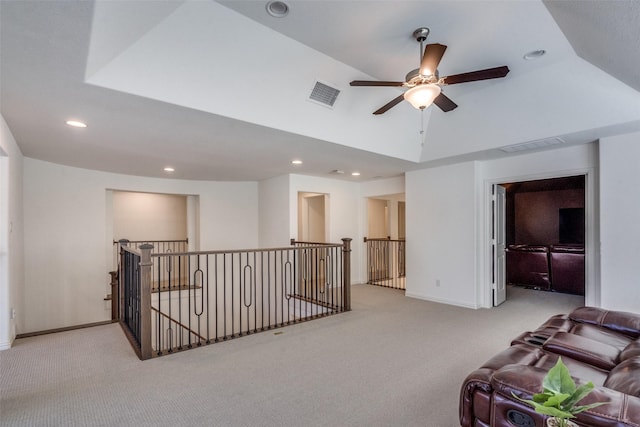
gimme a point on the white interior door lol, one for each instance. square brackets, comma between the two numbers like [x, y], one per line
[499, 265]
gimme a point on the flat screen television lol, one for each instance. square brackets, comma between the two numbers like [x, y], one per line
[571, 225]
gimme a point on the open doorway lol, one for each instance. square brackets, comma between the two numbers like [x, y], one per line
[544, 236]
[312, 217]
[385, 241]
[312, 260]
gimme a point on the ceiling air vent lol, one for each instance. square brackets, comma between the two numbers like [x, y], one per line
[324, 94]
[532, 145]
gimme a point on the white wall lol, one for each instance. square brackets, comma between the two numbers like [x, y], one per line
[347, 211]
[149, 216]
[66, 226]
[275, 212]
[449, 219]
[619, 225]
[68, 230]
[441, 230]
[11, 236]
[567, 161]
[344, 213]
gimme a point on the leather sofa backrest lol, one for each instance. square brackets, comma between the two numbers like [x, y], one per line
[573, 249]
[618, 321]
[625, 377]
[528, 248]
[631, 350]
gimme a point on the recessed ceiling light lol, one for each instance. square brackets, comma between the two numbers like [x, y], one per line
[76, 124]
[169, 169]
[296, 162]
[534, 54]
[355, 173]
[277, 9]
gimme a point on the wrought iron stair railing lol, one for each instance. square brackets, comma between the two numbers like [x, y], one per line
[214, 296]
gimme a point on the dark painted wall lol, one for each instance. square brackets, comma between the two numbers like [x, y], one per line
[532, 217]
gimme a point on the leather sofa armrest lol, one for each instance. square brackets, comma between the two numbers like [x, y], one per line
[475, 395]
[618, 321]
[523, 381]
[477, 382]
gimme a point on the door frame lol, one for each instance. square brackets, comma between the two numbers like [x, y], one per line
[592, 233]
[303, 214]
[498, 247]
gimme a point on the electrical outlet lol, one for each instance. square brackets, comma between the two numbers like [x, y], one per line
[13, 313]
[437, 283]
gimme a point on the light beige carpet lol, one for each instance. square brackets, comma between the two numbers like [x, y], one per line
[392, 361]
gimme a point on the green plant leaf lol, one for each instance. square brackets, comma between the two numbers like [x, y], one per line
[556, 400]
[558, 379]
[541, 397]
[580, 393]
[554, 412]
[578, 409]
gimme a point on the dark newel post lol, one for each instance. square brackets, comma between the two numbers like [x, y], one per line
[121, 278]
[145, 301]
[115, 295]
[346, 273]
[293, 242]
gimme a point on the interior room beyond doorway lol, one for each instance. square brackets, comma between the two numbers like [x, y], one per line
[545, 234]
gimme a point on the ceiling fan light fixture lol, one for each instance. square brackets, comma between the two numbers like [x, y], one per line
[422, 96]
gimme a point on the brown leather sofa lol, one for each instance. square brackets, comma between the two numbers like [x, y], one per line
[596, 345]
[567, 268]
[528, 265]
[559, 268]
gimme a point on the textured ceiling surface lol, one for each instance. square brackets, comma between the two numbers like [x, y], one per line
[219, 90]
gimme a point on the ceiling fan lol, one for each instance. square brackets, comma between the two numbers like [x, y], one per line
[424, 86]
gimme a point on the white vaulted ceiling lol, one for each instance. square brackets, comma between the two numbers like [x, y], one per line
[219, 90]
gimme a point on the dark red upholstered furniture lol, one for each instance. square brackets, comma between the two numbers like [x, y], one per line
[559, 268]
[567, 269]
[528, 265]
[596, 345]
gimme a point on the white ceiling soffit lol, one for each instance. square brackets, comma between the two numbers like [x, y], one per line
[607, 105]
[114, 27]
[604, 33]
[206, 57]
[221, 88]
[270, 74]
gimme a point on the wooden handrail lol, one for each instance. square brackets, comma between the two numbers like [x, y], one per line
[154, 241]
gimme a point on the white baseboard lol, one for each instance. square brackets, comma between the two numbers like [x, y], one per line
[5, 345]
[441, 301]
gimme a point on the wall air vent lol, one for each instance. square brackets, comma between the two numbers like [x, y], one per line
[532, 145]
[324, 94]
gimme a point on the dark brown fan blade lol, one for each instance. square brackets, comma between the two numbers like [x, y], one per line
[389, 105]
[489, 73]
[444, 102]
[374, 83]
[431, 58]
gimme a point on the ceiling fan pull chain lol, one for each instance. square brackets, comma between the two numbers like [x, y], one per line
[422, 128]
